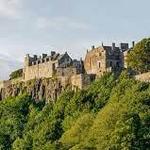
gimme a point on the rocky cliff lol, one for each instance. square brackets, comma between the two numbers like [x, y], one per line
[47, 89]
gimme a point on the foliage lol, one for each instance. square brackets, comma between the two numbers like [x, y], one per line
[16, 74]
[113, 113]
[138, 58]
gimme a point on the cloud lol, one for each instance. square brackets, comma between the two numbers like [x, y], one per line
[10, 8]
[60, 23]
[7, 65]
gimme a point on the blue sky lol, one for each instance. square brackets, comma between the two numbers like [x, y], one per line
[39, 26]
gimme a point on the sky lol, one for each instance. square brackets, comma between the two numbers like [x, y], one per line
[39, 26]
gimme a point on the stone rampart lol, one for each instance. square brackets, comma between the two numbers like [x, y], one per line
[81, 80]
[42, 70]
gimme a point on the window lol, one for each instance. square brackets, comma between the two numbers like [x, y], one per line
[47, 59]
[110, 63]
[53, 67]
[117, 64]
[99, 65]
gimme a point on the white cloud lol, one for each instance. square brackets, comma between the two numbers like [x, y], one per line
[59, 23]
[10, 8]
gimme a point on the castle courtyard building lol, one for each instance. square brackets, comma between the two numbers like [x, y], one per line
[105, 59]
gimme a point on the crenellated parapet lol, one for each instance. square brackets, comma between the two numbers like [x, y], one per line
[35, 60]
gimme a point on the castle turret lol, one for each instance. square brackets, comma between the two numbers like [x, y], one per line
[133, 43]
[113, 46]
[27, 60]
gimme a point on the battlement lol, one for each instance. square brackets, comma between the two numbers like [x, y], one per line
[103, 59]
[35, 60]
[122, 47]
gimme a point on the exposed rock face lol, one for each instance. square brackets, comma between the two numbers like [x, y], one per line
[143, 77]
[48, 89]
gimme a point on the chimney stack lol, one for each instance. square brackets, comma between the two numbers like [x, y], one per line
[113, 46]
[133, 43]
[53, 53]
[93, 47]
[44, 55]
[35, 57]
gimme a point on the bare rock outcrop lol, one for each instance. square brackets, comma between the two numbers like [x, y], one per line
[38, 89]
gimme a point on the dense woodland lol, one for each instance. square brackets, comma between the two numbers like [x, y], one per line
[113, 113]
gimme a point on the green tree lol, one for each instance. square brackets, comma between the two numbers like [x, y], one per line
[138, 58]
[16, 74]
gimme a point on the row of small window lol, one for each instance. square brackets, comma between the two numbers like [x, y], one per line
[110, 64]
[117, 64]
[41, 61]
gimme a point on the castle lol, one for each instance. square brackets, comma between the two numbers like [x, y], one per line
[47, 66]
[77, 73]
[105, 59]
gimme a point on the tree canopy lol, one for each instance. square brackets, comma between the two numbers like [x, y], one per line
[138, 57]
[113, 113]
[16, 74]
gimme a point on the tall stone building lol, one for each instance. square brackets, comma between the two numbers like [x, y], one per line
[105, 59]
[45, 66]
[67, 70]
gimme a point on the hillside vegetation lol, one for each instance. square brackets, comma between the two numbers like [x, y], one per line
[138, 58]
[113, 113]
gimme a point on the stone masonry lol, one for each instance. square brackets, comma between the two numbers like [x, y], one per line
[105, 59]
[67, 71]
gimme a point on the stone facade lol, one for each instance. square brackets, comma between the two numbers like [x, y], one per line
[56, 72]
[52, 74]
[81, 81]
[105, 59]
[45, 66]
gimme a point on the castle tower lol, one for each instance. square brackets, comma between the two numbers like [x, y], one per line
[27, 61]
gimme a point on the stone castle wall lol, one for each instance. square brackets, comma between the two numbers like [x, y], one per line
[95, 61]
[81, 81]
[69, 71]
[42, 70]
[101, 59]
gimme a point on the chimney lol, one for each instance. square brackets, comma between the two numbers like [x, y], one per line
[35, 57]
[53, 53]
[93, 47]
[133, 43]
[113, 46]
[44, 55]
[124, 46]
